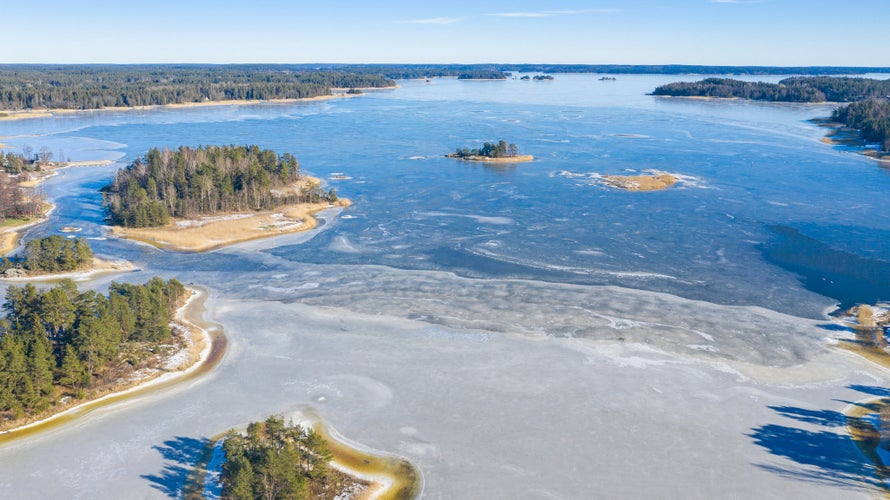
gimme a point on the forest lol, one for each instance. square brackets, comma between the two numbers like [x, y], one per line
[500, 149]
[868, 111]
[62, 341]
[871, 117]
[101, 86]
[795, 89]
[52, 254]
[189, 182]
[275, 460]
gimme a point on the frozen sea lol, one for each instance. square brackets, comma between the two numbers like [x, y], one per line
[515, 331]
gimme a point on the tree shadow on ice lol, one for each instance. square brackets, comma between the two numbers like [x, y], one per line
[871, 389]
[826, 418]
[818, 448]
[180, 454]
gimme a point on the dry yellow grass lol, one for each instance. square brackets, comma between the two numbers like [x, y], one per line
[214, 232]
[24, 115]
[9, 236]
[641, 182]
[9, 241]
[865, 316]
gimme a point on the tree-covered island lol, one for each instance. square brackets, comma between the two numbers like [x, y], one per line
[869, 111]
[500, 152]
[61, 343]
[213, 195]
[273, 459]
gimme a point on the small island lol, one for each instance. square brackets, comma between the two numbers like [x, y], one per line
[283, 459]
[653, 181]
[196, 199]
[499, 152]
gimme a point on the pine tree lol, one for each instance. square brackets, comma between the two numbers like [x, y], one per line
[73, 372]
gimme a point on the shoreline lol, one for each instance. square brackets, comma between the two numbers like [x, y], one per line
[199, 334]
[98, 268]
[213, 232]
[866, 436]
[9, 236]
[48, 113]
[489, 159]
[840, 135]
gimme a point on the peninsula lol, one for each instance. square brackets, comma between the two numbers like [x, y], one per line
[62, 345]
[868, 111]
[490, 152]
[212, 196]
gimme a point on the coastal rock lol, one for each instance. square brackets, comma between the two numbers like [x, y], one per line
[15, 272]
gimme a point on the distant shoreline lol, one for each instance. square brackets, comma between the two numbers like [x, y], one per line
[48, 113]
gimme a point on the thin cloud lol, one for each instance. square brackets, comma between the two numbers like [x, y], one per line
[552, 13]
[433, 20]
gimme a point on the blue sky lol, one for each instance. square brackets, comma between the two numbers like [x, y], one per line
[714, 32]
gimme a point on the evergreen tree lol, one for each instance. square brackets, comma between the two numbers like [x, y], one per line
[73, 372]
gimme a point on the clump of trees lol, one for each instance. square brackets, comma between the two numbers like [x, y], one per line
[15, 202]
[500, 149]
[52, 254]
[62, 339]
[871, 117]
[94, 87]
[275, 460]
[482, 74]
[189, 182]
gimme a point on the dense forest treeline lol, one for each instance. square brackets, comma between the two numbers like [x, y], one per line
[871, 117]
[189, 182]
[869, 97]
[95, 87]
[63, 338]
[275, 460]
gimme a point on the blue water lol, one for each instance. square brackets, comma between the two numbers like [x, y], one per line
[750, 168]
